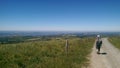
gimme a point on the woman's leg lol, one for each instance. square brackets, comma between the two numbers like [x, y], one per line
[98, 49]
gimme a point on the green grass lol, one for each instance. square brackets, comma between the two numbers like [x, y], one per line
[115, 41]
[46, 54]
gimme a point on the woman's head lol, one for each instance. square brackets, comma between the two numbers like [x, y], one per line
[98, 37]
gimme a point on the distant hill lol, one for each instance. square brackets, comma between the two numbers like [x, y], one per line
[52, 33]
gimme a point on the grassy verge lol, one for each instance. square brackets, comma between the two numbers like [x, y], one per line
[46, 54]
[115, 41]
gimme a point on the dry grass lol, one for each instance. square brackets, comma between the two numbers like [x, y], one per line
[46, 54]
[115, 41]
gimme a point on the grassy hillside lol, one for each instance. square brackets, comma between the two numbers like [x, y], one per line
[46, 54]
[115, 41]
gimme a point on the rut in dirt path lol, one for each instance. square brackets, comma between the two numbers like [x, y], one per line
[109, 57]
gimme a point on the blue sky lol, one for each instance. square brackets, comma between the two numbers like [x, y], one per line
[60, 15]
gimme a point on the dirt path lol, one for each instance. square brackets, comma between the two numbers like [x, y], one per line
[109, 57]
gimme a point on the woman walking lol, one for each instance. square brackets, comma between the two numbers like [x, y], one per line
[98, 44]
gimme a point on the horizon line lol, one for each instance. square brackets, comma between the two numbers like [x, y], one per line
[54, 31]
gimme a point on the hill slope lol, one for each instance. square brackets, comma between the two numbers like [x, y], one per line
[46, 54]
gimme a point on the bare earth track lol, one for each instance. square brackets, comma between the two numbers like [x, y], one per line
[109, 57]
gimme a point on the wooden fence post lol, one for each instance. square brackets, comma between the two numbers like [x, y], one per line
[66, 47]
